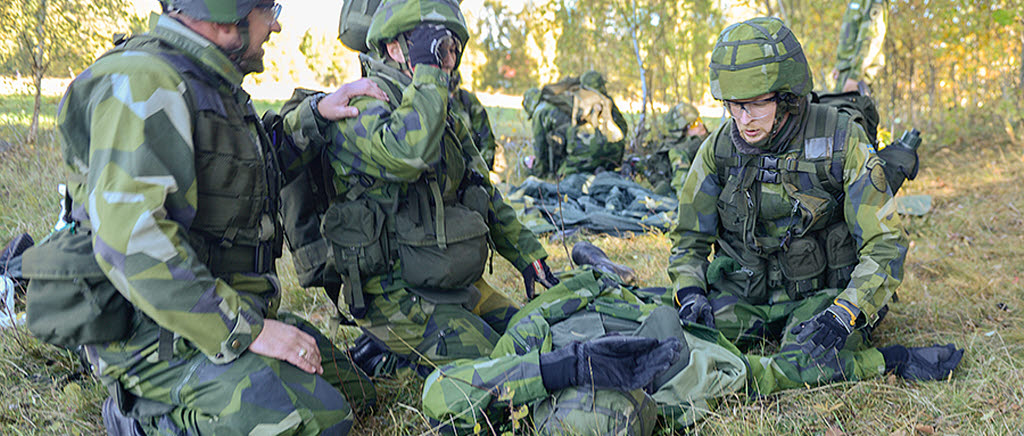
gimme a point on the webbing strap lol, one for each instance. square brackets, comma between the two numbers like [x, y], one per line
[165, 345]
[435, 192]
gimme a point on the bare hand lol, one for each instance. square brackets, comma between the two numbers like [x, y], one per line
[335, 106]
[286, 342]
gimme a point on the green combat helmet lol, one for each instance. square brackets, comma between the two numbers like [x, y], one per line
[217, 11]
[680, 116]
[758, 56]
[593, 80]
[531, 98]
[395, 17]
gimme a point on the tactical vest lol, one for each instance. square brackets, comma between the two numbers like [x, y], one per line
[817, 250]
[441, 239]
[235, 229]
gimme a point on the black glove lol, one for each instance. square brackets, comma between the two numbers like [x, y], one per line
[425, 44]
[828, 330]
[694, 306]
[537, 271]
[922, 363]
[612, 362]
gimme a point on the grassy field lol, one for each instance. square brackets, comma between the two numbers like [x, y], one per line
[963, 285]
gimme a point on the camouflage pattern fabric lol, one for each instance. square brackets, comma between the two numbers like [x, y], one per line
[868, 212]
[666, 168]
[396, 144]
[251, 394]
[468, 107]
[598, 137]
[859, 55]
[550, 126]
[128, 133]
[480, 392]
[603, 203]
[758, 56]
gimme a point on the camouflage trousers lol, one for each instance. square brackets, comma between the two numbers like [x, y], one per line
[188, 394]
[749, 324]
[431, 333]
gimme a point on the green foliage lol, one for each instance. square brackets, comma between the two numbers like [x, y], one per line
[328, 58]
[500, 38]
[72, 32]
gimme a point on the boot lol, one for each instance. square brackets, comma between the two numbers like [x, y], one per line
[368, 355]
[585, 253]
[116, 423]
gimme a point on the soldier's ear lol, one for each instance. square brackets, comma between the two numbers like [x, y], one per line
[395, 51]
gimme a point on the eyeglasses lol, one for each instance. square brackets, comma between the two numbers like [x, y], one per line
[272, 10]
[695, 124]
[756, 109]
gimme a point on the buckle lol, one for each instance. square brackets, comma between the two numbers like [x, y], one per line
[768, 176]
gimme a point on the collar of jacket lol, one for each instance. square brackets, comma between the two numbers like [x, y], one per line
[203, 52]
[387, 69]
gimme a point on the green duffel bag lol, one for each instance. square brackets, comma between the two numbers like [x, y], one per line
[70, 301]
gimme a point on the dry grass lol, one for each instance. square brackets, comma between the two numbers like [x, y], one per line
[963, 285]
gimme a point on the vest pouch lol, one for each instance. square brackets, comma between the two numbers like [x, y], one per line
[476, 199]
[425, 264]
[749, 282]
[733, 206]
[802, 265]
[70, 301]
[816, 209]
[354, 230]
[841, 253]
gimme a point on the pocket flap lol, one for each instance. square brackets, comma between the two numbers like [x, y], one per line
[460, 224]
[353, 223]
[64, 255]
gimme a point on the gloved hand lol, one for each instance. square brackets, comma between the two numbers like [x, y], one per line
[537, 271]
[922, 363]
[425, 44]
[694, 306]
[612, 362]
[828, 330]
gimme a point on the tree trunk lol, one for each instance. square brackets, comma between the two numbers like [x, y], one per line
[39, 65]
[640, 130]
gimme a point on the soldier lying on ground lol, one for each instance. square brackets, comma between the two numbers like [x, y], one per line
[591, 355]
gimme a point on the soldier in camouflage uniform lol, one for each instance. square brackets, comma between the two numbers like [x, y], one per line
[598, 135]
[412, 217]
[859, 56]
[587, 307]
[666, 168]
[468, 107]
[794, 200]
[549, 125]
[176, 194]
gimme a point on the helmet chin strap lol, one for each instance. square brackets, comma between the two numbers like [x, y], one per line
[243, 32]
[404, 45]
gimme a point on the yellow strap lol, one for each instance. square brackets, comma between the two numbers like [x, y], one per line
[853, 318]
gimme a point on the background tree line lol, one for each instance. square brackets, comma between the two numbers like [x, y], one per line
[953, 67]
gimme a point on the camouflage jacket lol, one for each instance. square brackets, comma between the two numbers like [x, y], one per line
[472, 392]
[473, 114]
[670, 162]
[129, 130]
[859, 55]
[865, 204]
[397, 142]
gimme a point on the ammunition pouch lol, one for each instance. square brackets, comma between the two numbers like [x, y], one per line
[802, 266]
[354, 230]
[429, 260]
[70, 300]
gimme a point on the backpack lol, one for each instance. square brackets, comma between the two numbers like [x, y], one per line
[355, 22]
[900, 156]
